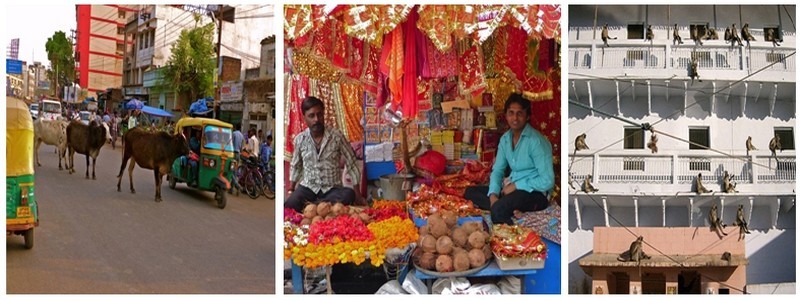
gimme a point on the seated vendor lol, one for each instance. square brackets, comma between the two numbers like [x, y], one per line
[315, 172]
[529, 155]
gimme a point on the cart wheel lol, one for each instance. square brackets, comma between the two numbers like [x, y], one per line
[29, 239]
[219, 195]
[172, 181]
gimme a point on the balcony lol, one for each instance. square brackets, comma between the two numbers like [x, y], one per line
[630, 55]
[671, 174]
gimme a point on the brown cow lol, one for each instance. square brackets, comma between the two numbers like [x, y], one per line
[151, 150]
[86, 140]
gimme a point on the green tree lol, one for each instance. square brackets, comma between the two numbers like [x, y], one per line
[62, 61]
[190, 69]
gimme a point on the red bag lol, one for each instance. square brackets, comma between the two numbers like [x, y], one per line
[432, 161]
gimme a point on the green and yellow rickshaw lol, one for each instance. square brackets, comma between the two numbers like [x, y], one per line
[22, 213]
[215, 160]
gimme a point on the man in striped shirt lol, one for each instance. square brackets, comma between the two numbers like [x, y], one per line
[315, 172]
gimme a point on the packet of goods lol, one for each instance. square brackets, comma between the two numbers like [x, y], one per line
[517, 241]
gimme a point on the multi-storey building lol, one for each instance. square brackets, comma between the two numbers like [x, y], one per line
[154, 28]
[702, 117]
[99, 45]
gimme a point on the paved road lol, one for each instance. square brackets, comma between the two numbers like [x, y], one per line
[93, 239]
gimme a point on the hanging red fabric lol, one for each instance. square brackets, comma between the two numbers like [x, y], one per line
[409, 95]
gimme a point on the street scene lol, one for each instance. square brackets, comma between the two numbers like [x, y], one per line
[175, 104]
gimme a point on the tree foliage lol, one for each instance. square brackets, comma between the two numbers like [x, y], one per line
[62, 60]
[191, 66]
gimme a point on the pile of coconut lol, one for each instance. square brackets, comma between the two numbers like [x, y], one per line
[444, 247]
[313, 213]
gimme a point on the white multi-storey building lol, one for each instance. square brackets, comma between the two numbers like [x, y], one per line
[742, 91]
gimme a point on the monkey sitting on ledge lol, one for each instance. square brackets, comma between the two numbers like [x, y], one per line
[635, 253]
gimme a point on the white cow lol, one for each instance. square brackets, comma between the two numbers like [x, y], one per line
[51, 132]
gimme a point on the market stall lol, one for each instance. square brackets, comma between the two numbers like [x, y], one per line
[421, 91]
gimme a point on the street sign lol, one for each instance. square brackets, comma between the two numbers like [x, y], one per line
[13, 66]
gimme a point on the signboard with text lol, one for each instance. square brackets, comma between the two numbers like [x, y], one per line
[13, 66]
[231, 91]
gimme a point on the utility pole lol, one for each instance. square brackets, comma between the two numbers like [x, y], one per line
[219, 61]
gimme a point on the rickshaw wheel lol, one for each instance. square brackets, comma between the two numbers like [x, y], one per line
[172, 181]
[219, 195]
[28, 238]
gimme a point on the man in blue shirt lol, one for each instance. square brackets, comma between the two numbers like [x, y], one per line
[238, 138]
[529, 156]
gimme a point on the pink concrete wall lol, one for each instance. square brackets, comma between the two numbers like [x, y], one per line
[670, 240]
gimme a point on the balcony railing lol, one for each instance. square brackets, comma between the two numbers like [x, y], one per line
[682, 169]
[667, 56]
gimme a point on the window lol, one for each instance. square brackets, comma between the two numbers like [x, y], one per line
[121, 14]
[699, 138]
[153, 38]
[776, 33]
[120, 30]
[636, 31]
[786, 137]
[139, 41]
[146, 38]
[120, 47]
[634, 138]
[702, 29]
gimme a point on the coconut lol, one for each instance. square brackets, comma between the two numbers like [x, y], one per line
[305, 221]
[487, 251]
[476, 258]
[323, 209]
[459, 236]
[457, 250]
[438, 229]
[329, 216]
[471, 227]
[450, 218]
[425, 229]
[444, 263]
[427, 261]
[310, 211]
[444, 245]
[435, 218]
[428, 243]
[338, 209]
[317, 219]
[364, 217]
[461, 261]
[477, 240]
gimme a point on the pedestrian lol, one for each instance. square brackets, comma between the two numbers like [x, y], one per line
[113, 126]
[238, 139]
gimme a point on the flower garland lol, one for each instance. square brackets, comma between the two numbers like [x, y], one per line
[326, 244]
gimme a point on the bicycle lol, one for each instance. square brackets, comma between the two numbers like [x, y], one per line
[250, 178]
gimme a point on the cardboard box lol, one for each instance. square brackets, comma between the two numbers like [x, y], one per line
[518, 263]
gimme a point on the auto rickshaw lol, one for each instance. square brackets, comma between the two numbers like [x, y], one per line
[22, 212]
[215, 161]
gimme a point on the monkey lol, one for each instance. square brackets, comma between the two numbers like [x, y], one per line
[711, 33]
[746, 34]
[587, 185]
[650, 35]
[716, 223]
[693, 72]
[727, 184]
[652, 144]
[700, 188]
[741, 222]
[728, 37]
[580, 143]
[604, 35]
[676, 36]
[571, 179]
[635, 252]
[749, 145]
[735, 36]
[726, 256]
[770, 36]
[695, 35]
[775, 144]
